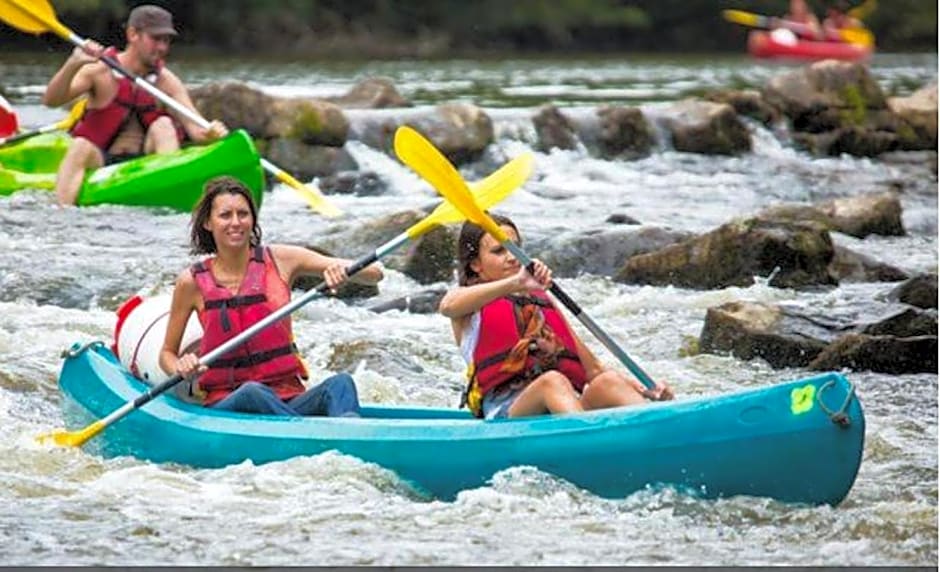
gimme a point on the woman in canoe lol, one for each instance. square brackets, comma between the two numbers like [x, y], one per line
[524, 358]
[237, 287]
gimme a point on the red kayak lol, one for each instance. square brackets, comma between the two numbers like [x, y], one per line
[783, 44]
[8, 122]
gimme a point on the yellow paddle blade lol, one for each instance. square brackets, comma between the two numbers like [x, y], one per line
[316, 201]
[73, 438]
[421, 155]
[32, 17]
[74, 115]
[858, 36]
[741, 17]
[493, 189]
[488, 192]
[863, 10]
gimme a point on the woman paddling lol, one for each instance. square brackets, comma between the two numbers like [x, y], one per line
[524, 357]
[237, 287]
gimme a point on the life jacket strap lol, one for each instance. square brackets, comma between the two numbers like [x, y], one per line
[253, 359]
[236, 301]
[564, 353]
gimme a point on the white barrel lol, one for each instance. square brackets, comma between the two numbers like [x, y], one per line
[139, 335]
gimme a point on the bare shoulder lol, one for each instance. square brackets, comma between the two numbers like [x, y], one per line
[294, 260]
[166, 74]
[186, 284]
[286, 250]
[169, 81]
[295, 254]
[97, 72]
[285, 255]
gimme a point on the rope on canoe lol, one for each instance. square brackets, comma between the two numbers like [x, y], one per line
[77, 349]
[839, 417]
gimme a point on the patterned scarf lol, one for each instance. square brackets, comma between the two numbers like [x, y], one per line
[536, 337]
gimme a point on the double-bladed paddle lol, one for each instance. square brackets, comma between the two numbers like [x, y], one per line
[489, 191]
[857, 36]
[38, 17]
[63, 124]
[421, 155]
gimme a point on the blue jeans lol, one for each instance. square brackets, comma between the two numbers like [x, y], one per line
[496, 403]
[335, 397]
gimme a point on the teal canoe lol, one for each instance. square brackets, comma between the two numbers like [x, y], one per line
[172, 180]
[798, 442]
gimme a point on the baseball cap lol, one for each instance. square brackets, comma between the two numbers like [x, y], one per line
[152, 19]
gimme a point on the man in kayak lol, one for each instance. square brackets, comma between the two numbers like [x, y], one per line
[121, 120]
[242, 284]
[523, 357]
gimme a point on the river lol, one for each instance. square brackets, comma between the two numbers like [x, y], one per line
[64, 271]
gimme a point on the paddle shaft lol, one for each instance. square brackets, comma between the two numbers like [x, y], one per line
[27, 134]
[584, 318]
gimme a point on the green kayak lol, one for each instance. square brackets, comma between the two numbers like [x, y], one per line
[39, 154]
[169, 180]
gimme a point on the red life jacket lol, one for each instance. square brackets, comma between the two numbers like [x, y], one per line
[101, 126]
[522, 337]
[270, 356]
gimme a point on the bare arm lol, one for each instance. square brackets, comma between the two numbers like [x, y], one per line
[460, 303]
[75, 77]
[465, 300]
[185, 301]
[171, 85]
[294, 261]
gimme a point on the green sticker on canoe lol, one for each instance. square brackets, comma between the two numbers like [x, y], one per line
[801, 399]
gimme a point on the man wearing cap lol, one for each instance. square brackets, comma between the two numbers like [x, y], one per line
[121, 120]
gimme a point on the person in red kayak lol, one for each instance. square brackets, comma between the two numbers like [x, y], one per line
[523, 356]
[838, 19]
[240, 285]
[808, 24]
[121, 120]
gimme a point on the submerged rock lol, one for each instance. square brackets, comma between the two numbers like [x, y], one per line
[706, 127]
[919, 291]
[553, 129]
[791, 254]
[749, 330]
[371, 93]
[884, 354]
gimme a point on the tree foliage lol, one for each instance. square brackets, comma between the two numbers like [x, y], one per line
[377, 27]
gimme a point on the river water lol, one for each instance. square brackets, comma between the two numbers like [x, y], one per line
[63, 272]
